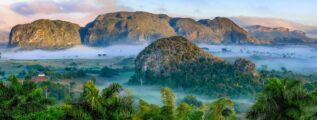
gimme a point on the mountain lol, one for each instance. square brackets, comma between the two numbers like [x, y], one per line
[194, 31]
[45, 34]
[127, 27]
[161, 56]
[139, 27]
[228, 31]
[178, 63]
[278, 35]
[275, 23]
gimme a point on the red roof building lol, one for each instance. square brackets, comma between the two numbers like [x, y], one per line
[39, 79]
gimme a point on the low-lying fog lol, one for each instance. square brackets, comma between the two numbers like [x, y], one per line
[298, 58]
[152, 95]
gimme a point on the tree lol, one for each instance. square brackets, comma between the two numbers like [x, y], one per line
[183, 111]
[108, 72]
[192, 100]
[168, 97]
[91, 94]
[19, 99]
[118, 102]
[222, 109]
[280, 100]
[113, 103]
[168, 100]
[148, 111]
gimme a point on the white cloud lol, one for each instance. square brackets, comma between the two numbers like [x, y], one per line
[78, 11]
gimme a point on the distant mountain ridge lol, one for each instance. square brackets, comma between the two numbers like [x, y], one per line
[279, 35]
[128, 28]
[245, 21]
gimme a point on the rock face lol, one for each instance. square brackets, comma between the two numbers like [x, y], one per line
[278, 35]
[45, 34]
[194, 31]
[228, 31]
[127, 27]
[162, 56]
[136, 27]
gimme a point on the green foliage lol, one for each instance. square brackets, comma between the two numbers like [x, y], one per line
[148, 111]
[168, 97]
[90, 95]
[222, 109]
[108, 72]
[192, 100]
[57, 91]
[183, 111]
[51, 113]
[215, 79]
[37, 67]
[282, 99]
[169, 110]
[112, 103]
[21, 99]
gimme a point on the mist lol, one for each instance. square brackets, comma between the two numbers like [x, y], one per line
[80, 52]
[297, 58]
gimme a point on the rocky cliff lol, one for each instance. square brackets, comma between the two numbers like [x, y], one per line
[127, 27]
[228, 31]
[138, 27]
[278, 35]
[45, 34]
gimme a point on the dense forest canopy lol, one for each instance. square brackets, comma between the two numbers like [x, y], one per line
[280, 99]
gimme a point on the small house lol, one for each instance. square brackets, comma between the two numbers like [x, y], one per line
[40, 78]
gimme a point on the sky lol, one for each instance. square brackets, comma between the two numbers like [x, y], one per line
[14, 12]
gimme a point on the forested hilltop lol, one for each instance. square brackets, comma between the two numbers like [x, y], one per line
[178, 63]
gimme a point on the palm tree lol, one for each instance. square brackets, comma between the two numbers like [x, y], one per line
[118, 102]
[222, 109]
[280, 100]
[168, 100]
[18, 99]
[91, 94]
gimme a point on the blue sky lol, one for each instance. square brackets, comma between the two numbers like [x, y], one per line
[82, 11]
[304, 11]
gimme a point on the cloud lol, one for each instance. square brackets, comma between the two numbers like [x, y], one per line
[2, 22]
[76, 11]
[51, 7]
